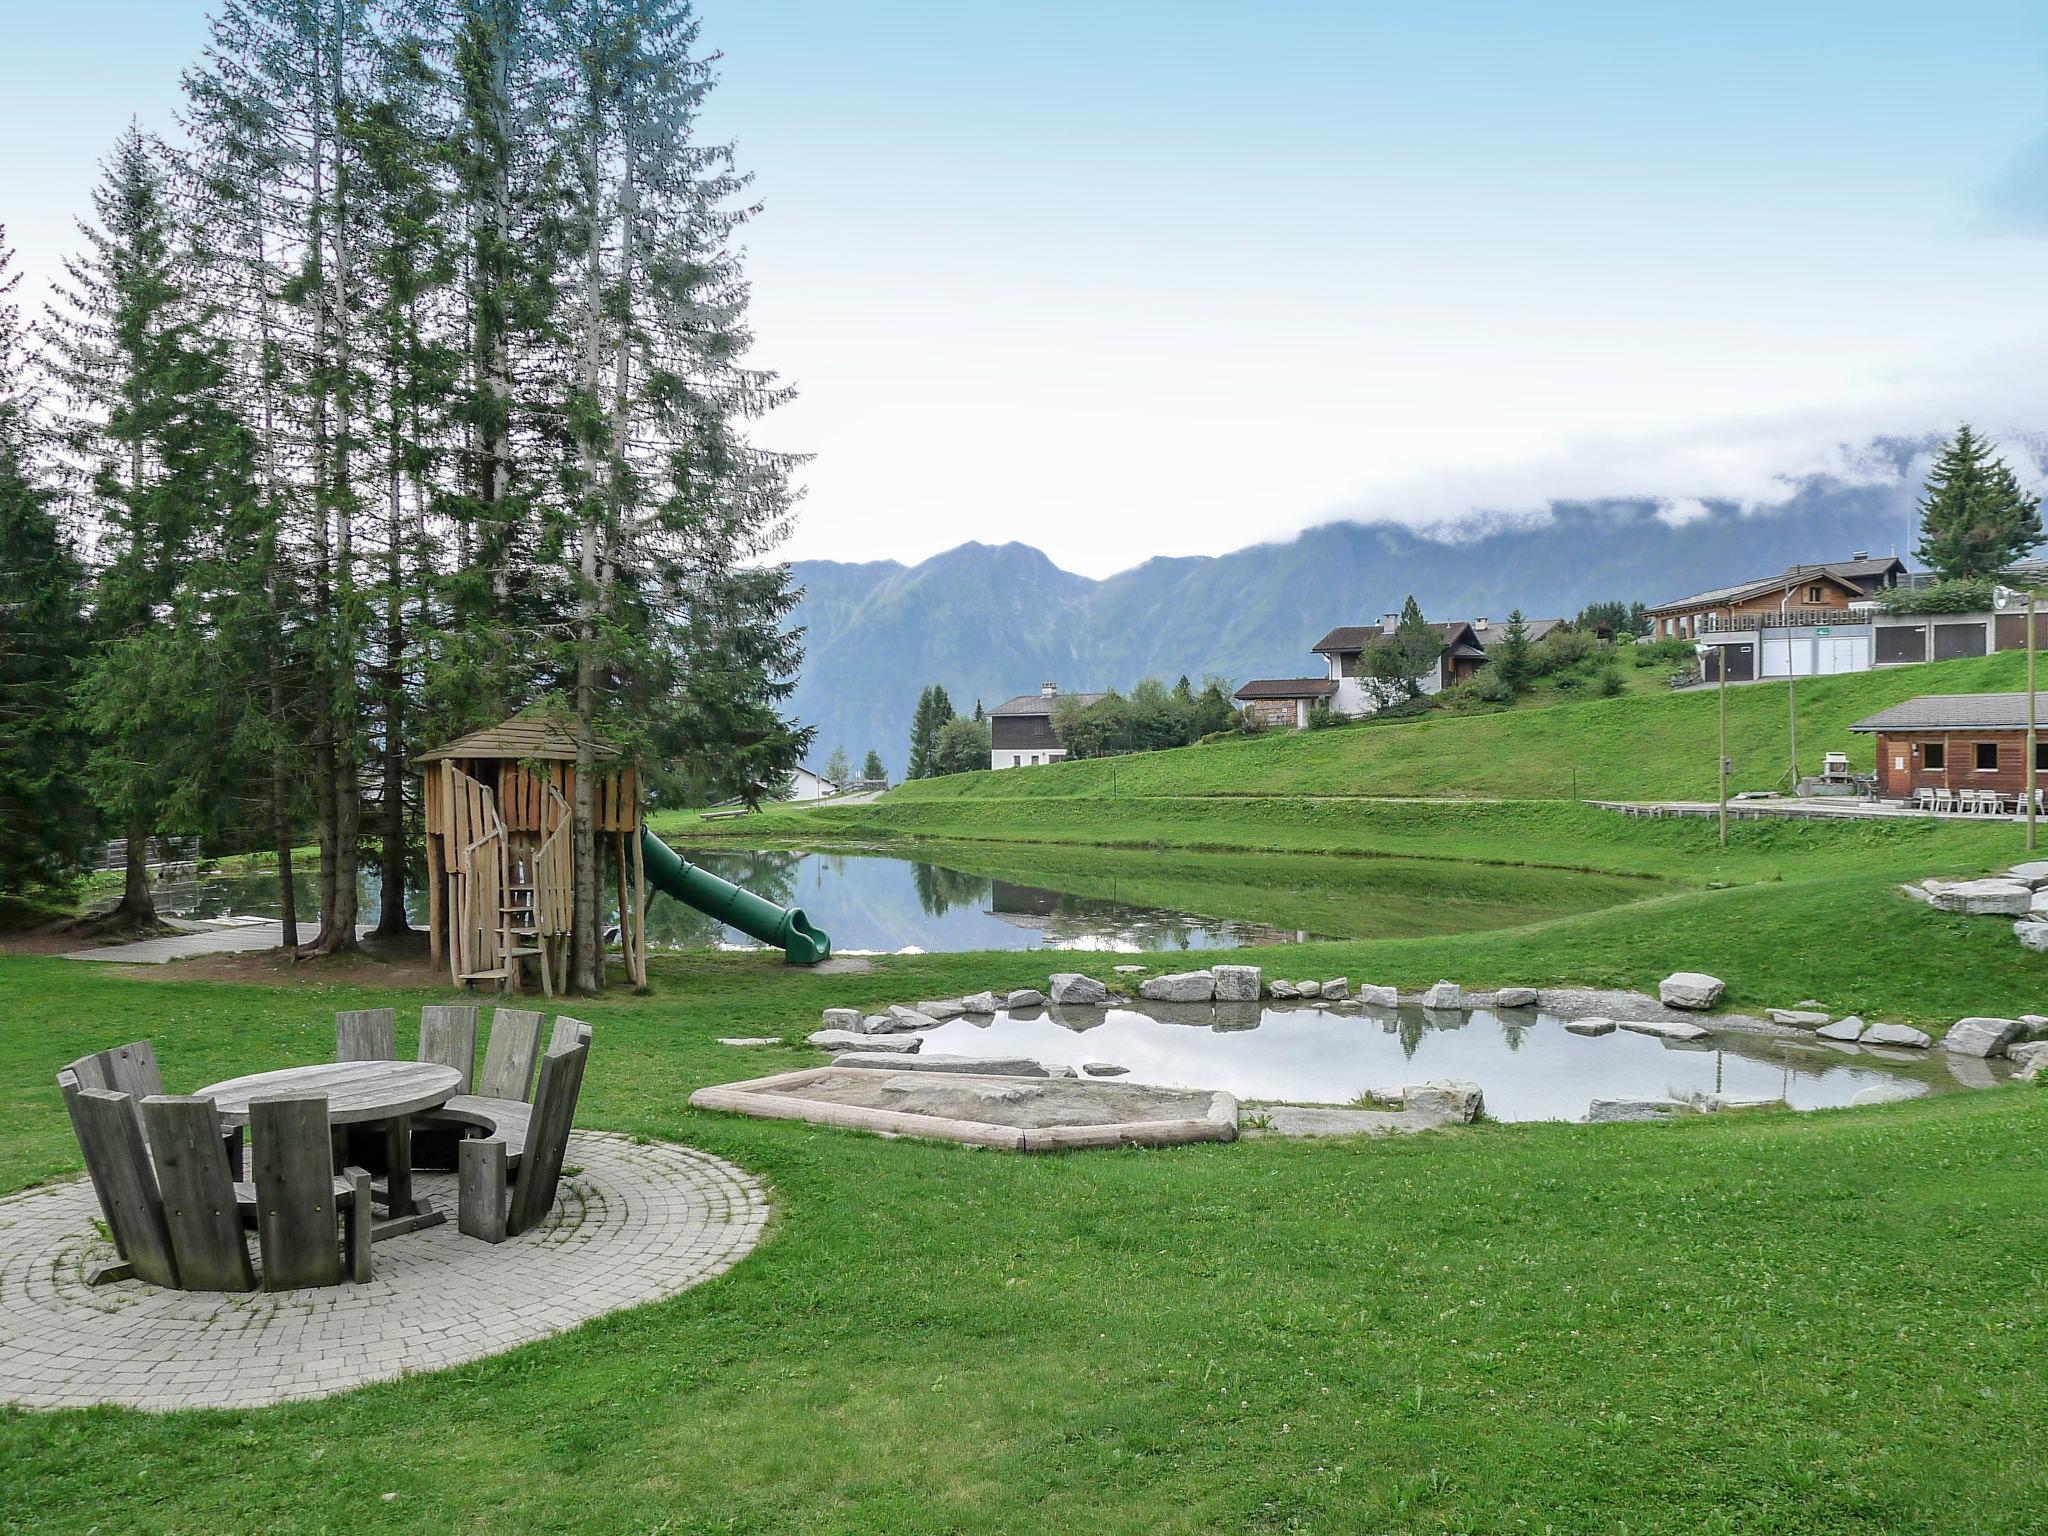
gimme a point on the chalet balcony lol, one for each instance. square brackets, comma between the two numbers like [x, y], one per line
[1749, 623]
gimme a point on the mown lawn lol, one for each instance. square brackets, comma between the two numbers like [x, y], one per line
[1818, 1323]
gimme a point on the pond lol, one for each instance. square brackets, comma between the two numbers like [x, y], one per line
[1529, 1066]
[954, 898]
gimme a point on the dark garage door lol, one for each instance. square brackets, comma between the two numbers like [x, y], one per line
[1908, 642]
[1741, 663]
[1953, 640]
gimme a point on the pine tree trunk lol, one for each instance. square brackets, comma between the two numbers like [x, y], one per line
[137, 906]
[587, 939]
[281, 831]
[391, 920]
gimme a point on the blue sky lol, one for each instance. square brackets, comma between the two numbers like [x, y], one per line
[1132, 278]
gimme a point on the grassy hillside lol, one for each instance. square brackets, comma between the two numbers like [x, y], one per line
[1639, 747]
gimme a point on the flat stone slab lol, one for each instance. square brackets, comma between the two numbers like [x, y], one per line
[1103, 1069]
[1180, 987]
[1009, 1113]
[855, 1040]
[983, 1066]
[636, 1222]
[1663, 1029]
[1847, 1029]
[1616, 1111]
[1316, 1120]
[1798, 1018]
[1983, 898]
[1896, 1034]
[750, 1040]
[1593, 1026]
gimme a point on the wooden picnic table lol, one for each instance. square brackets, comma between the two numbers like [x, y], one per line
[389, 1093]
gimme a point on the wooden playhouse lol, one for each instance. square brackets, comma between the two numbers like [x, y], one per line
[501, 870]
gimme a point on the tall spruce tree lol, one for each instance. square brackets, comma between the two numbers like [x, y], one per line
[144, 424]
[871, 768]
[1513, 666]
[45, 818]
[1975, 519]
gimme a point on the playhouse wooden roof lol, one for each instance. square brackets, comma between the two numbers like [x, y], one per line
[523, 736]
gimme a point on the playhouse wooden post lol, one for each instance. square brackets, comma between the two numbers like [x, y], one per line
[639, 910]
[435, 876]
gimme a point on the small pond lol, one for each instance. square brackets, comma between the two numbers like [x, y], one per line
[1128, 902]
[1528, 1064]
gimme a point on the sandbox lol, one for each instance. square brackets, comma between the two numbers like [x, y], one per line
[1017, 1114]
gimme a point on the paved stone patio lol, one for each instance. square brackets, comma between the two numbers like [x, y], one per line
[634, 1223]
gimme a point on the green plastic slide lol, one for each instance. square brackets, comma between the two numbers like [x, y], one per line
[785, 927]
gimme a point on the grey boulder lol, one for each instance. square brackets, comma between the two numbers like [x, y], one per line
[1615, 1111]
[1379, 997]
[1337, 989]
[1722, 1103]
[1798, 1018]
[2034, 873]
[1976, 1036]
[1884, 1093]
[1180, 987]
[1024, 997]
[1896, 1034]
[1308, 989]
[1237, 983]
[851, 1040]
[2031, 933]
[842, 1018]
[2026, 1053]
[1690, 989]
[1515, 997]
[1282, 991]
[942, 1009]
[1594, 1026]
[899, 1020]
[1103, 1069]
[1984, 898]
[1444, 995]
[1850, 1028]
[1071, 987]
[979, 1003]
[1451, 1100]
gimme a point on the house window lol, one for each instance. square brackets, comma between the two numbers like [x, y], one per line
[2040, 756]
[1813, 596]
[1934, 755]
[1987, 756]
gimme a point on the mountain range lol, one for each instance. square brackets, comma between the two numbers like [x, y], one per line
[989, 622]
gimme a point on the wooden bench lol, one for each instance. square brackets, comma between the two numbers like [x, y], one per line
[509, 1120]
[503, 1193]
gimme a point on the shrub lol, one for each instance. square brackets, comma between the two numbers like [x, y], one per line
[1609, 677]
[1493, 686]
[1321, 718]
[1562, 650]
[1671, 651]
[1966, 594]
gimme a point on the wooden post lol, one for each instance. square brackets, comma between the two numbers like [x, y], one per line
[639, 908]
[436, 874]
[625, 921]
[2030, 721]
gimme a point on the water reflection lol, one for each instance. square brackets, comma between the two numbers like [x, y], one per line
[1036, 898]
[1529, 1065]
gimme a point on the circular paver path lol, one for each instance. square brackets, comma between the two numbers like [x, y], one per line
[636, 1222]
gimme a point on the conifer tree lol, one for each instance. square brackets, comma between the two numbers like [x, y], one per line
[871, 768]
[1975, 519]
[1513, 666]
[45, 818]
[1404, 658]
[146, 423]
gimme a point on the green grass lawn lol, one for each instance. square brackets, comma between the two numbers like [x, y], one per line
[1759, 1323]
[1766, 1323]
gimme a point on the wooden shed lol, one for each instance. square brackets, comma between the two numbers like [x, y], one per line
[500, 866]
[1957, 741]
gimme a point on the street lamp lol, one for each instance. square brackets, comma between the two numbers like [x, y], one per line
[1721, 673]
[2002, 598]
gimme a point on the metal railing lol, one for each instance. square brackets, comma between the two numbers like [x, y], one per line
[1791, 618]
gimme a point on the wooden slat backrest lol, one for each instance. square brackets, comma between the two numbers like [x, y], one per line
[133, 1067]
[110, 1136]
[547, 1138]
[295, 1216]
[366, 1034]
[198, 1191]
[91, 1072]
[70, 1085]
[568, 1032]
[508, 1057]
[448, 1038]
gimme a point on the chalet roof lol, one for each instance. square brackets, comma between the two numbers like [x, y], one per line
[1850, 573]
[1956, 712]
[1288, 688]
[531, 735]
[1039, 704]
[1496, 630]
[1347, 638]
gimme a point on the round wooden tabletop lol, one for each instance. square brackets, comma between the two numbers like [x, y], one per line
[356, 1090]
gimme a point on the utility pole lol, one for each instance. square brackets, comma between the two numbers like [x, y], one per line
[1721, 671]
[1791, 683]
[2003, 598]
